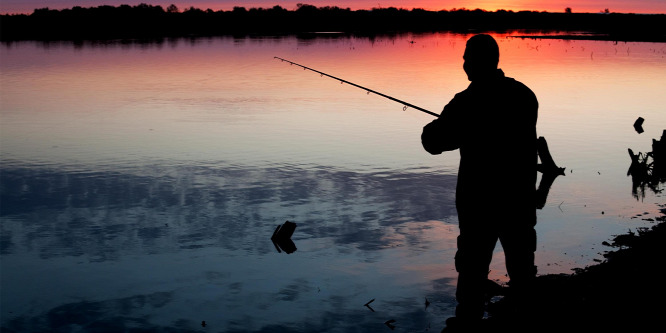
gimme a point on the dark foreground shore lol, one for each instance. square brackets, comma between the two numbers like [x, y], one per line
[624, 293]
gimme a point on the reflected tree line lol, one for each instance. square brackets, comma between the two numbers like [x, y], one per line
[149, 21]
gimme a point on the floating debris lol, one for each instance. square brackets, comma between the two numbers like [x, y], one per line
[549, 169]
[282, 237]
[648, 169]
[638, 125]
[367, 305]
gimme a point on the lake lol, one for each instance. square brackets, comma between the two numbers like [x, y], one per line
[141, 182]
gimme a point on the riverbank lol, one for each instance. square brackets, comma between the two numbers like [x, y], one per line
[625, 293]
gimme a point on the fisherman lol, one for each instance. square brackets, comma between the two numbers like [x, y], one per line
[493, 124]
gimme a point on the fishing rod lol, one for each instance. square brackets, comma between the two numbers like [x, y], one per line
[405, 104]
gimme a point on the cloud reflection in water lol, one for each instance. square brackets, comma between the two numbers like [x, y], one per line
[149, 220]
[63, 213]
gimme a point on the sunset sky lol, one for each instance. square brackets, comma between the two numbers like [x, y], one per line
[592, 6]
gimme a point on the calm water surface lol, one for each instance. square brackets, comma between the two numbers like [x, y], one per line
[141, 183]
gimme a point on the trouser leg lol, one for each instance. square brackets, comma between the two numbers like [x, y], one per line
[519, 241]
[475, 250]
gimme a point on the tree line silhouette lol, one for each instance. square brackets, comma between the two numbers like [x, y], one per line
[149, 21]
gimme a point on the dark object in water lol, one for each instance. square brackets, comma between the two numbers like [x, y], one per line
[547, 163]
[367, 305]
[638, 125]
[549, 169]
[282, 238]
[389, 324]
[648, 169]
[659, 156]
[639, 167]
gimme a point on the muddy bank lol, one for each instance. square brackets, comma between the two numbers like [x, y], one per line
[624, 293]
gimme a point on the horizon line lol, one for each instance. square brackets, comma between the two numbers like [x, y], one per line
[344, 8]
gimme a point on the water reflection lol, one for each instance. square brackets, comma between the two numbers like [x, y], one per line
[92, 213]
[106, 217]
[140, 184]
[114, 315]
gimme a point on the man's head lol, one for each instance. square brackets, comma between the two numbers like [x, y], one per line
[481, 57]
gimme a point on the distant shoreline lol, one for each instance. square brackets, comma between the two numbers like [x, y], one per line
[597, 36]
[150, 22]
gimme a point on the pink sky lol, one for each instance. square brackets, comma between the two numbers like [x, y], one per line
[593, 6]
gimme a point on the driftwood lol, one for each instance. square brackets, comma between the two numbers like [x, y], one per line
[547, 163]
[648, 169]
[282, 237]
[659, 156]
[549, 171]
[638, 125]
[639, 167]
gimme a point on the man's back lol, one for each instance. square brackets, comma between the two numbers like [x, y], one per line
[493, 123]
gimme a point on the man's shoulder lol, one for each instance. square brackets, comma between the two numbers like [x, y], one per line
[516, 85]
[465, 93]
[511, 80]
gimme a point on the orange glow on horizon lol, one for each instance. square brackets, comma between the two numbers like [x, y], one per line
[558, 6]
[585, 6]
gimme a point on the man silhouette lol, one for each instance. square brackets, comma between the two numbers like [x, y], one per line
[493, 124]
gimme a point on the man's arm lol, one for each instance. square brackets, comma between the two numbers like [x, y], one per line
[443, 133]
